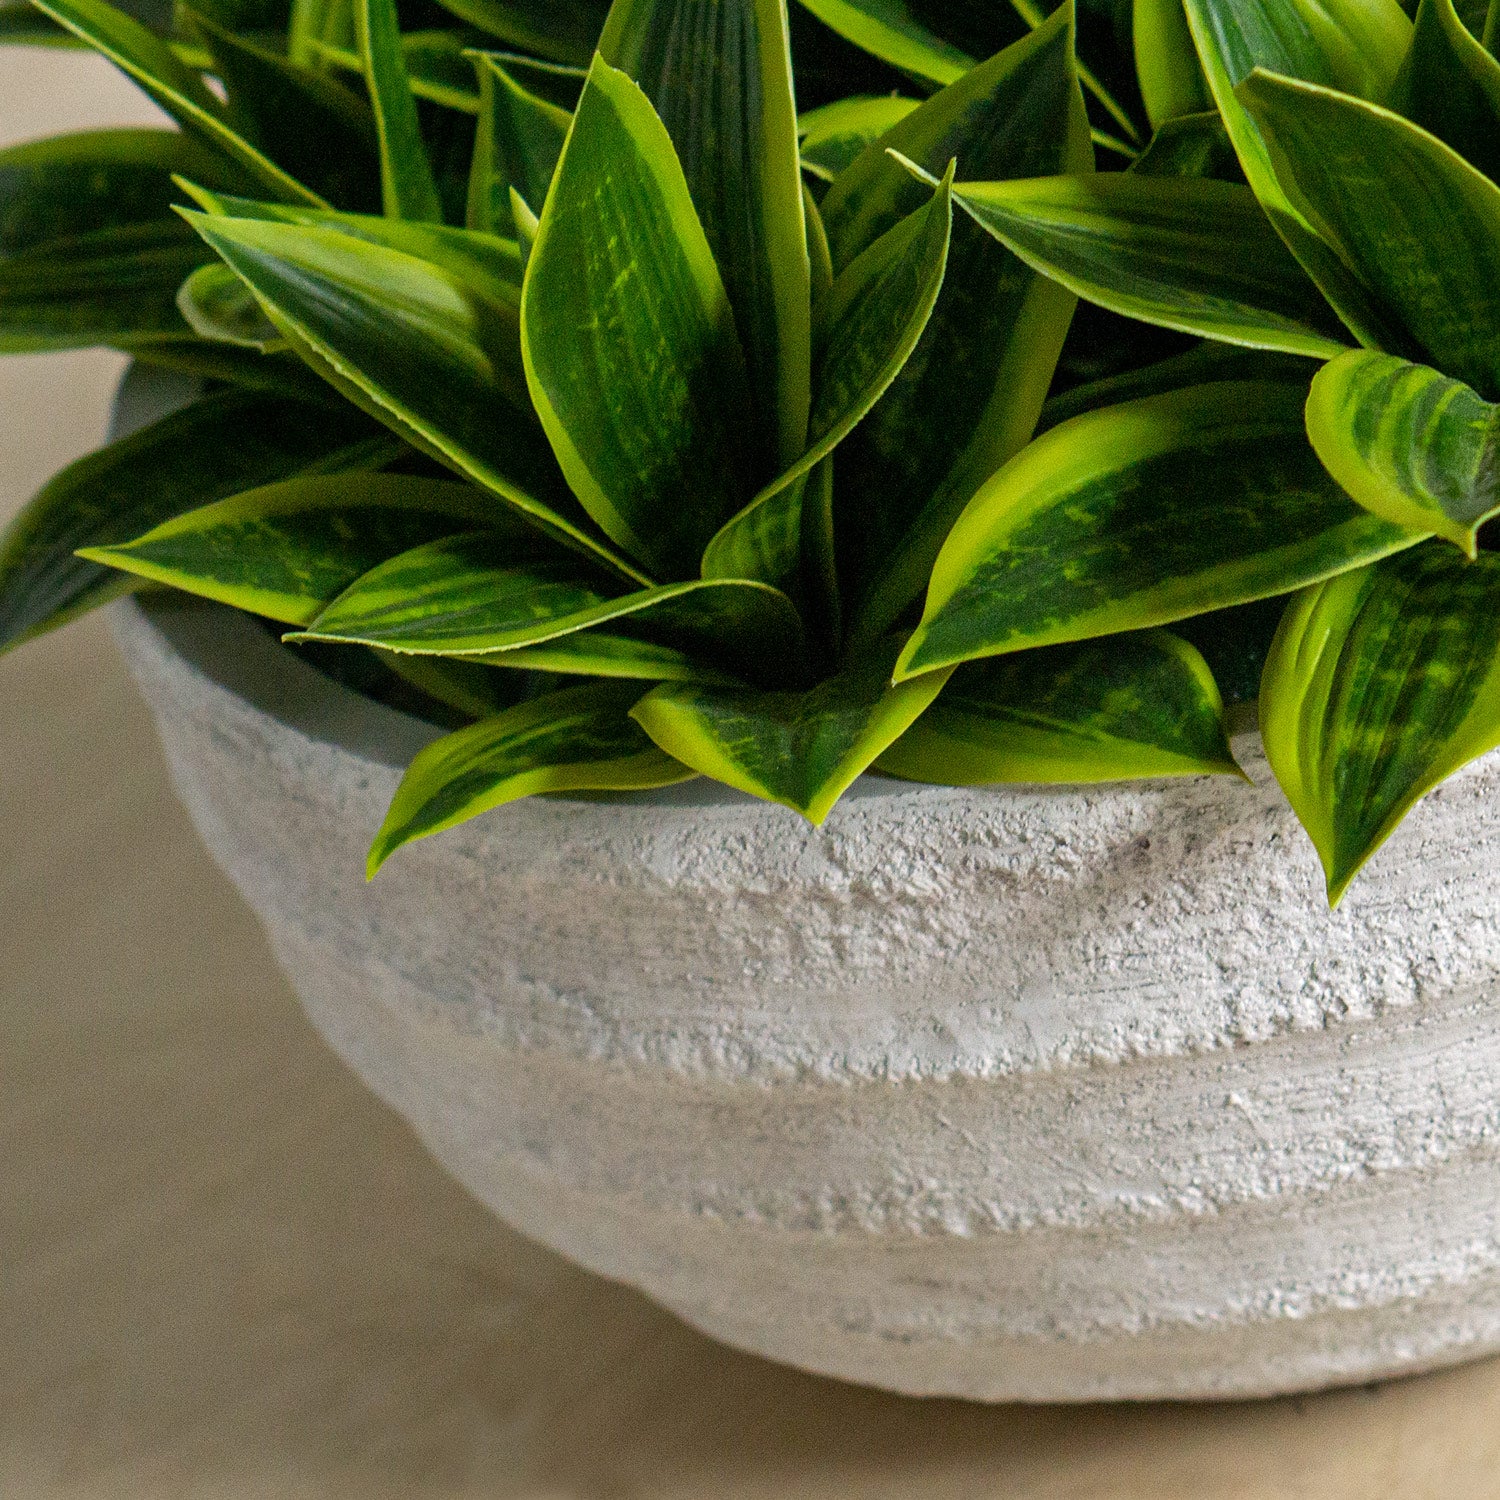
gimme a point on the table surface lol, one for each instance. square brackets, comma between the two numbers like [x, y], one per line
[226, 1270]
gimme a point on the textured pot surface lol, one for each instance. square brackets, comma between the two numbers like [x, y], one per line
[1005, 1093]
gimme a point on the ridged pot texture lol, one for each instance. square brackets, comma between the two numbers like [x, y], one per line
[1008, 1093]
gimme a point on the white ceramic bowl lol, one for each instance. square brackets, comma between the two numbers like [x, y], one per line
[1021, 1093]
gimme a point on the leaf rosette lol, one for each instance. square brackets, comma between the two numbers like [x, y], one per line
[780, 393]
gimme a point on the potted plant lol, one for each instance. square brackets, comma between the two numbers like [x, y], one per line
[572, 415]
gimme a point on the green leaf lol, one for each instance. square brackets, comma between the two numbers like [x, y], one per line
[93, 180]
[277, 374]
[1450, 85]
[630, 345]
[601, 652]
[1139, 515]
[437, 66]
[968, 397]
[1204, 363]
[1166, 64]
[151, 63]
[528, 225]
[719, 73]
[111, 286]
[1141, 704]
[430, 350]
[517, 147]
[1380, 685]
[804, 749]
[578, 739]
[475, 594]
[309, 124]
[564, 32]
[1408, 443]
[218, 305]
[316, 24]
[287, 550]
[217, 446]
[1354, 45]
[871, 321]
[967, 121]
[833, 136]
[407, 187]
[889, 30]
[484, 260]
[1413, 221]
[1154, 248]
[1189, 146]
[893, 32]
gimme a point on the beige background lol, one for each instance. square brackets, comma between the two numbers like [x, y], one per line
[227, 1271]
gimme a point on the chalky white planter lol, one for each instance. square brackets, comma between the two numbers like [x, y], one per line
[1013, 1093]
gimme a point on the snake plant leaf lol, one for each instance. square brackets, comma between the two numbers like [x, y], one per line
[407, 186]
[432, 352]
[820, 257]
[576, 739]
[470, 595]
[316, 24]
[488, 261]
[887, 29]
[801, 749]
[871, 321]
[1139, 515]
[150, 62]
[309, 124]
[719, 73]
[111, 286]
[1353, 45]
[895, 32]
[437, 66]
[558, 83]
[629, 341]
[601, 652]
[1154, 248]
[1141, 704]
[516, 147]
[236, 365]
[835, 134]
[1201, 365]
[968, 397]
[287, 550]
[92, 180]
[1189, 146]
[1415, 222]
[561, 32]
[218, 305]
[528, 225]
[217, 446]
[1356, 46]
[1166, 63]
[970, 122]
[1380, 684]
[1450, 85]
[1408, 443]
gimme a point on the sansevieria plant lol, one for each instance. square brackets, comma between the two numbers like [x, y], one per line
[699, 387]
